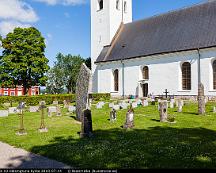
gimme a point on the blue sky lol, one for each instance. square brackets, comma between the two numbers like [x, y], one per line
[66, 23]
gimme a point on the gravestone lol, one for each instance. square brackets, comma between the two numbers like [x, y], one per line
[12, 110]
[3, 113]
[180, 105]
[21, 131]
[42, 102]
[66, 104]
[123, 105]
[134, 105]
[55, 102]
[83, 93]
[111, 105]
[163, 111]
[71, 109]
[42, 128]
[171, 104]
[145, 103]
[58, 111]
[99, 105]
[51, 110]
[129, 118]
[116, 107]
[113, 115]
[34, 109]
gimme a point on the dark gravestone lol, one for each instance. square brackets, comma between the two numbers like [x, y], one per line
[83, 90]
[86, 126]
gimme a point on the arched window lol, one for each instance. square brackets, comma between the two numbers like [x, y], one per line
[145, 72]
[186, 76]
[214, 74]
[117, 4]
[125, 6]
[100, 4]
[116, 80]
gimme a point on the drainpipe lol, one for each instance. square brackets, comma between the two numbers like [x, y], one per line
[199, 69]
[123, 92]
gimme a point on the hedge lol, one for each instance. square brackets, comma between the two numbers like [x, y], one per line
[34, 100]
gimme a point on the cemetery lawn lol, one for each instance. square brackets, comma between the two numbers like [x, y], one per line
[188, 143]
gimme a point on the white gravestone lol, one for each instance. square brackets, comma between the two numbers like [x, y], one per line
[12, 110]
[52, 109]
[71, 108]
[145, 103]
[123, 105]
[171, 104]
[99, 106]
[214, 109]
[3, 113]
[116, 107]
[111, 105]
[180, 104]
[33, 108]
[134, 105]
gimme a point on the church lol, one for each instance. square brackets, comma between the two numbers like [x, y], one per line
[146, 57]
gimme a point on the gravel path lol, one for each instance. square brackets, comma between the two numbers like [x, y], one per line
[15, 158]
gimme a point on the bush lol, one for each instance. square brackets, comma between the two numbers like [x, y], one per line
[100, 96]
[34, 100]
[171, 118]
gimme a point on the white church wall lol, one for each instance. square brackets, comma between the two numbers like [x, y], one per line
[164, 73]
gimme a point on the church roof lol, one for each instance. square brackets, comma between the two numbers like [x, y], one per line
[185, 29]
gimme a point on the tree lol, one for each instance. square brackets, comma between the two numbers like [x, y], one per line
[88, 62]
[23, 61]
[65, 73]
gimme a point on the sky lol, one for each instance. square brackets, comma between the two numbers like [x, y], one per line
[65, 24]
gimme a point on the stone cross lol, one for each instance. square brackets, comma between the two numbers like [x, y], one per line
[21, 131]
[83, 92]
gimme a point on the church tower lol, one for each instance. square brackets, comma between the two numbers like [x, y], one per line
[106, 17]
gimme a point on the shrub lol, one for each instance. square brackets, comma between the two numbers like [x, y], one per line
[100, 96]
[34, 100]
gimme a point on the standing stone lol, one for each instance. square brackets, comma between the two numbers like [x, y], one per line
[180, 105]
[201, 99]
[83, 90]
[99, 106]
[145, 103]
[163, 111]
[134, 105]
[116, 107]
[113, 115]
[129, 118]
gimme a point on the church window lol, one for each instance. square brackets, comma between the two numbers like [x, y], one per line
[117, 4]
[214, 74]
[100, 4]
[145, 72]
[186, 76]
[125, 6]
[116, 80]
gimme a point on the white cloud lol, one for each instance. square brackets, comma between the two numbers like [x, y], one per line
[63, 2]
[17, 10]
[8, 26]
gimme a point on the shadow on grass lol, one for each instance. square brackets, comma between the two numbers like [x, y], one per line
[156, 147]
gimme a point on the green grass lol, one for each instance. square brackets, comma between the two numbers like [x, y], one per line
[188, 143]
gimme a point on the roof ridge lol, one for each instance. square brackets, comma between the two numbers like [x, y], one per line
[174, 11]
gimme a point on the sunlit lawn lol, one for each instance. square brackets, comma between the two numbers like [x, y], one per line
[188, 143]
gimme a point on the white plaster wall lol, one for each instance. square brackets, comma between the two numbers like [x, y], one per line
[104, 25]
[164, 73]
